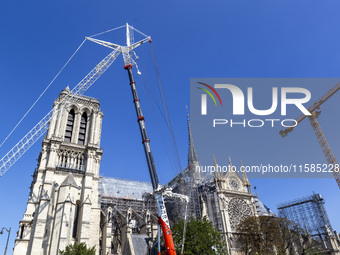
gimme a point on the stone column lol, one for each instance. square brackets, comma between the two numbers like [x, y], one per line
[107, 232]
[76, 125]
[40, 217]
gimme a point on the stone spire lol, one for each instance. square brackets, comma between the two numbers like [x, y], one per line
[218, 178]
[230, 168]
[192, 150]
[217, 174]
[66, 90]
[215, 163]
[244, 176]
[193, 160]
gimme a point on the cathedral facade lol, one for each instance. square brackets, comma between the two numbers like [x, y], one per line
[70, 203]
[235, 203]
[63, 204]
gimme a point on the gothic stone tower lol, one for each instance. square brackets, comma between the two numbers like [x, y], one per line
[63, 204]
[235, 201]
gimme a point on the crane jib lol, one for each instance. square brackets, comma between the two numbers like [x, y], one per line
[141, 122]
[39, 129]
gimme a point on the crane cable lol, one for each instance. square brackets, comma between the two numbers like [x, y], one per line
[158, 128]
[146, 83]
[168, 123]
[36, 101]
[110, 30]
[165, 107]
[146, 92]
[149, 90]
[174, 150]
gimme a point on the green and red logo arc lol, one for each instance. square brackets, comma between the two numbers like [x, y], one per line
[209, 93]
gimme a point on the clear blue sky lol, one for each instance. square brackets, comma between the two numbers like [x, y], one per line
[192, 39]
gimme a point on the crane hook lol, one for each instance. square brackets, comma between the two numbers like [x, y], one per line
[136, 57]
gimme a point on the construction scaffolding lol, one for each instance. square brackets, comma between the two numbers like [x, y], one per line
[190, 189]
[309, 213]
[123, 194]
[128, 212]
[210, 198]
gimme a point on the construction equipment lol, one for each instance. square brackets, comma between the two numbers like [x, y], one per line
[127, 51]
[39, 129]
[163, 220]
[309, 213]
[315, 112]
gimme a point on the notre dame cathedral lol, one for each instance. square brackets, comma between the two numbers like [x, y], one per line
[69, 202]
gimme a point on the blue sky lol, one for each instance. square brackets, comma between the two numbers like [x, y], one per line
[191, 39]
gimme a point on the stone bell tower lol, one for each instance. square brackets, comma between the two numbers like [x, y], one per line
[63, 203]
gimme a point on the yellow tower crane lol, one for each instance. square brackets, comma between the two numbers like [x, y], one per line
[314, 110]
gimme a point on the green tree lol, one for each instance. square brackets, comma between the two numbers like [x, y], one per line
[78, 249]
[266, 235]
[201, 238]
[259, 235]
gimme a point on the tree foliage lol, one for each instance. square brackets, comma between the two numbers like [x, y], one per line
[259, 235]
[201, 238]
[78, 249]
[265, 235]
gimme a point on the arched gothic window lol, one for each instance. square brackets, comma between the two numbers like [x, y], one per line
[82, 129]
[69, 126]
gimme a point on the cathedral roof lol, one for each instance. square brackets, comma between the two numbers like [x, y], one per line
[121, 188]
[261, 209]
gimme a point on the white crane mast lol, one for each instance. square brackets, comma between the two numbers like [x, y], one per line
[39, 129]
